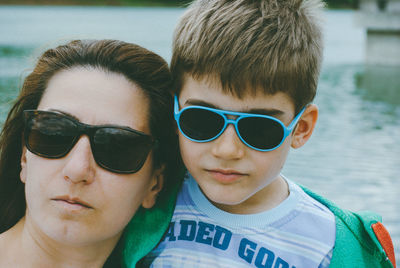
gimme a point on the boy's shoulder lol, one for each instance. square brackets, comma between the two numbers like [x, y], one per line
[361, 238]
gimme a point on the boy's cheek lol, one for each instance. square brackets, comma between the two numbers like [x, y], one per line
[189, 149]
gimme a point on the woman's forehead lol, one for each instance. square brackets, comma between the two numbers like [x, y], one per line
[95, 96]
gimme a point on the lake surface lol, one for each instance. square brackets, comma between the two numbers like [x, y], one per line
[353, 157]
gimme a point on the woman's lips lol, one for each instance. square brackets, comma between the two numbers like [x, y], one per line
[226, 176]
[72, 202]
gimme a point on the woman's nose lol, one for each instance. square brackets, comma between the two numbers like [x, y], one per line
[80, 164]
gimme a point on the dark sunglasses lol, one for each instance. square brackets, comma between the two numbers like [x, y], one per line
[257, 131]
[115, 148]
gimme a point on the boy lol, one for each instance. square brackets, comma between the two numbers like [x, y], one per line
[246, 72]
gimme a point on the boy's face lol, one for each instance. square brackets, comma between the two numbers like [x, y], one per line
[233, 176]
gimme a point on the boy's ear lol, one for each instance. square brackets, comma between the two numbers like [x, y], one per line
[305, 126]
[22, 174]
[156, 185]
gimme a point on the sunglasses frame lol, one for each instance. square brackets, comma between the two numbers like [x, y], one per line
[223, 113]
[84, 129]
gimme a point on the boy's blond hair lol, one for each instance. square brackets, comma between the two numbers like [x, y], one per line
[251, 45]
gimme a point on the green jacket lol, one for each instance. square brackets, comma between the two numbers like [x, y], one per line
[356, 244]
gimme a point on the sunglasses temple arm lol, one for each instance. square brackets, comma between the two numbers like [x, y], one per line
[176, 105]
[295, 120]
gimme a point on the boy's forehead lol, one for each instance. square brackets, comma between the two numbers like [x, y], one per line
[213, 82]
[208, 90]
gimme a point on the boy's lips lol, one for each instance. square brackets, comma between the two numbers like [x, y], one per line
[226, 176]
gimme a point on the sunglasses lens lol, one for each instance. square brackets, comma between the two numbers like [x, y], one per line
[121, 150]
[200, 124]
[49, 135]
[53, 135]
[261, 133]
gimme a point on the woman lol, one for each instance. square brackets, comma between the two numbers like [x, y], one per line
[88, 142]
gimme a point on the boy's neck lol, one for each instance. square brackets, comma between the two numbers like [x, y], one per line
[265, 199]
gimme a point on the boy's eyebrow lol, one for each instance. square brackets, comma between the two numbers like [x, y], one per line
[270, 112]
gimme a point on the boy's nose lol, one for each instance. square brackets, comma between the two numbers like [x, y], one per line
[80, 164]
[228, 145]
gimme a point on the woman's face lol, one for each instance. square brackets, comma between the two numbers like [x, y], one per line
[53, 186]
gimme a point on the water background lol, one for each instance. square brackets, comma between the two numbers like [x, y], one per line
[353, 157]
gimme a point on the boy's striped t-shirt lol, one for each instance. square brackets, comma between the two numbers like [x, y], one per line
[300, 232]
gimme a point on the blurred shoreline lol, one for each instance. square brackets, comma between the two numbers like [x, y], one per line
[144, 3]
[331, 4]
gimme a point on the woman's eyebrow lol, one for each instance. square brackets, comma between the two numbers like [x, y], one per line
[263, 111]
[64, 113]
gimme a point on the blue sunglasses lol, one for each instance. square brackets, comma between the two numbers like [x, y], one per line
[259, 132]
